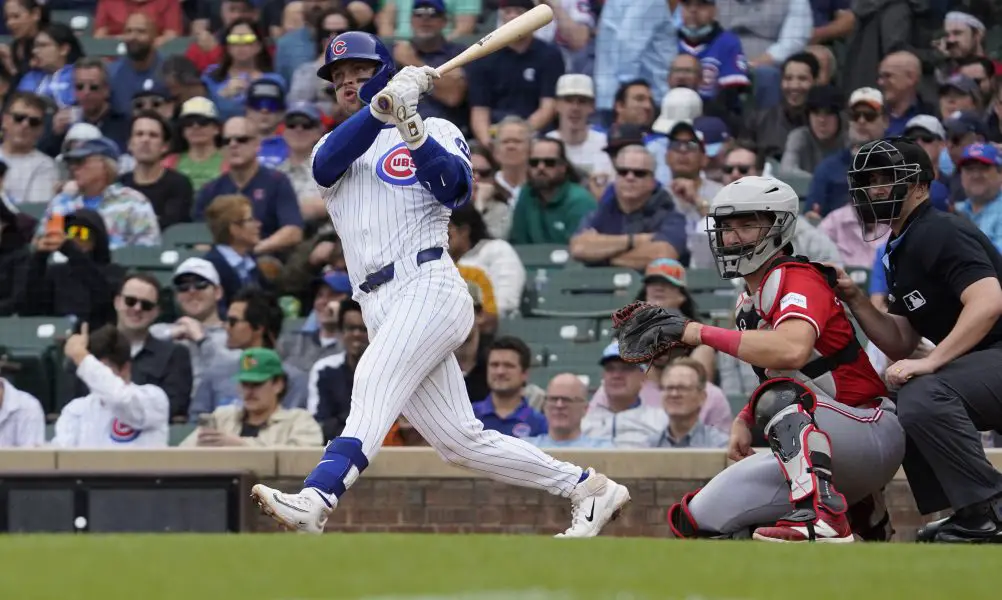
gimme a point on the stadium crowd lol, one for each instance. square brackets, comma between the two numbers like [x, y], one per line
[607, 133]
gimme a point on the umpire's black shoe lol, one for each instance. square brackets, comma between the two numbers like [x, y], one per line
[978, 524]
[927, 533]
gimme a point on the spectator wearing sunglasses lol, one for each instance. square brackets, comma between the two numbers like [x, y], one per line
[302, 130]
[162, 363]
[829, 187]
[133, 72]
[32, 176]
[92, 93]
[552, 203]
[128, 215]
[426, 25]
[245, 59]
[235, 233]
[265, 112]
[305, 86]
[200, 329]
[168, 191]
[636, 221]
[83, 286]
[199, 157]
[154, 96]
[253, 320]
[272, 196]
[929, 134]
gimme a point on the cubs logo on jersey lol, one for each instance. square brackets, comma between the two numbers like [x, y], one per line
[396, 167]
[122, 433]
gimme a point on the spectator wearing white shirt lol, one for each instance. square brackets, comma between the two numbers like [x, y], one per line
[585, 144]
[33, 176]
[116, 413]
[22, 420]
[623, 420]
[572, 30]
[471, 246]
[684, 384]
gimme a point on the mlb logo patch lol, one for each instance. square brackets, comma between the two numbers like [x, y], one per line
[396, 167]
[913, 300]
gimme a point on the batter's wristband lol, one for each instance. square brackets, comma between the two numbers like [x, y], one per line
[725, 340]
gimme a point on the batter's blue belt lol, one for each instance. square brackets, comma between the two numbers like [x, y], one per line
[385, 275]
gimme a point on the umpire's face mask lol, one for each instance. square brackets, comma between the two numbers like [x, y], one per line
[878, 188]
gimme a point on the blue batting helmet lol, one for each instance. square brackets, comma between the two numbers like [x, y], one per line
[358, 45]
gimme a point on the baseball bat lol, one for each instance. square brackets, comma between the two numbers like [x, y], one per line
[519, 27]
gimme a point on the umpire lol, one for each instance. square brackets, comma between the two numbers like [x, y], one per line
[943, 277]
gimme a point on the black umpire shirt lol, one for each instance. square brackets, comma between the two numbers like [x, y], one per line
[936, 257]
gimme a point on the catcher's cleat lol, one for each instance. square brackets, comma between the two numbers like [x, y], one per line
[870, 520]
[595, 502]
[305, 512]
[806, 525]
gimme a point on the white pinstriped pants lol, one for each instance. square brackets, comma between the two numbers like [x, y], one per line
[415, 322]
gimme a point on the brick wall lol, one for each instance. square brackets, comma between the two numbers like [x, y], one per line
[482, 506]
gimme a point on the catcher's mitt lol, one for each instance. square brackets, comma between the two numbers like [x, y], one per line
[647, 331]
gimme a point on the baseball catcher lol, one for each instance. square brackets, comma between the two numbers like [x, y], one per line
[835, 442]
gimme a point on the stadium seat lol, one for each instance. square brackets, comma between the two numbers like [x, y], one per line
[706, 280]
[177, 433]
[107, 47]
[571, 355]
[545, 330]
[860, 276]
[715, 306]
[30, 345]
[35, 209]
[594, 292]
[543, 256]
[590, 375]
[151, 258]
[291, 325]
[187, 235]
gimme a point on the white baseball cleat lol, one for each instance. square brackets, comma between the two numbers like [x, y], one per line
[305, 512]
[596, 501]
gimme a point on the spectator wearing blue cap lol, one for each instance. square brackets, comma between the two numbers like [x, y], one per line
[139, 69]
[981, 175]
[154, 95]
[302, 130]
[959, 93]
[623, 419]
[962, 130]
[265, 110]
[128, 215]
[428, 45]
[320, 335]
[399, 16]
[688, 156]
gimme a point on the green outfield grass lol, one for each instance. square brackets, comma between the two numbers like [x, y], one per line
[438, 567]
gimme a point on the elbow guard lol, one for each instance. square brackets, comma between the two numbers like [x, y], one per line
[442, 173]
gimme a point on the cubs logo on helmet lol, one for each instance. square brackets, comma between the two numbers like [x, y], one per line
[396, 167]
[122, 433]
[339, 47]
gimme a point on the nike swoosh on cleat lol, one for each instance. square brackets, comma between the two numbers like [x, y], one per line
[591, 515]
[279, 500]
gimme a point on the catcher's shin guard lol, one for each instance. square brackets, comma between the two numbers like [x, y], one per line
[784, 409]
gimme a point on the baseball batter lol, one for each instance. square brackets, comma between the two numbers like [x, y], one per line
[821, 405]
[390, 180]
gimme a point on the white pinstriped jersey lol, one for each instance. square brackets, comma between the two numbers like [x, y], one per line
[380, 211]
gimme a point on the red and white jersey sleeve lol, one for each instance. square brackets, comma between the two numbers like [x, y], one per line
[797, 293]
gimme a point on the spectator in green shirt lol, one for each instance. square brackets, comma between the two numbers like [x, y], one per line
[552, 204]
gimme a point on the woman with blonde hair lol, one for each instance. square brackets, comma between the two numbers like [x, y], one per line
[235, 232]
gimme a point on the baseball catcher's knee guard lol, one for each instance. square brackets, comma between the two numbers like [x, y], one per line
[784, 410]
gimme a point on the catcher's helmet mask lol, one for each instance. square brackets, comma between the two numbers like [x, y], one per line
[773, 205]
[882, 174]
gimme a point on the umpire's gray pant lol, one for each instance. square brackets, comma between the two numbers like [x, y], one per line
[867, 448]
[942, 414]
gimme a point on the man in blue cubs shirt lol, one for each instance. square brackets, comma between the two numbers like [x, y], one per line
[506, 409]
[266, 109]
[725, 71]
